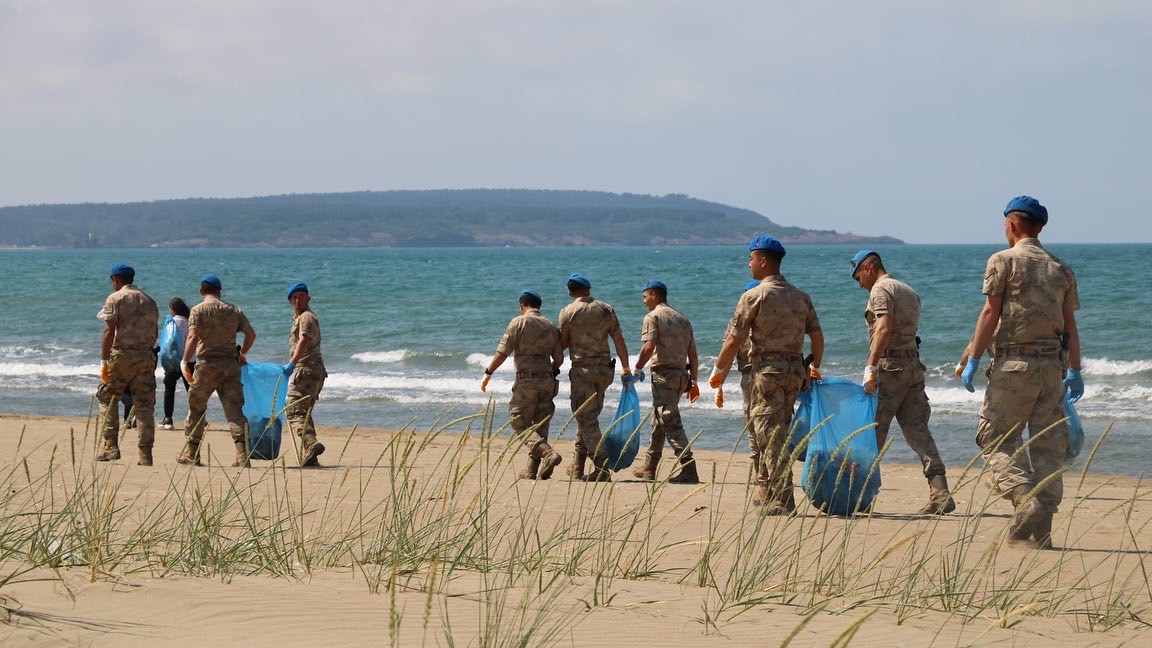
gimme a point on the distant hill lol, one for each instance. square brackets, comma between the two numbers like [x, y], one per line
[439, 218]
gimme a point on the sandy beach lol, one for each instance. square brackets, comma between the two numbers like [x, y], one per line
[427, 538]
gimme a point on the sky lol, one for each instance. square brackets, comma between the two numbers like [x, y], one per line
[917, 119]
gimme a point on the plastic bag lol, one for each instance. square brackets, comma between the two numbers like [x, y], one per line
[622, 441]
[1075, 432]
[841, 470]
[171, 346]
[801, 426]
[265, 394]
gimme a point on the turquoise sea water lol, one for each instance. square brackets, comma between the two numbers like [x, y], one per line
[407, 332]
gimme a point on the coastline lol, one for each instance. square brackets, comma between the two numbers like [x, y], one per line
[576, 562]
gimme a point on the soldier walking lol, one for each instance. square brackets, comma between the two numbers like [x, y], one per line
[306, 374]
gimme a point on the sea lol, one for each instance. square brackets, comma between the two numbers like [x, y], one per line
[407, 332]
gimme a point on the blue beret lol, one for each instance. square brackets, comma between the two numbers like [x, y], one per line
[751, 284]
[297, 287]
[766, 244]
[859, 258]
[656, 284]
[1028, 205]
[580, 279]
[122, 270]
[211, 280]
[533, 293]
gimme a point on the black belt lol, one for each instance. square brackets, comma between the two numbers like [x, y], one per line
[529, 375]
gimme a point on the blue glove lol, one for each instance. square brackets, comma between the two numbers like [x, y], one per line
[288, 368]
[969, 373]
[1075, 384]
[628, 379]
[638, 375]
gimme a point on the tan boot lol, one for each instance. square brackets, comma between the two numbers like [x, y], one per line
[687, 474]
[310, 450]
[529, 471]
[940, 500]
[145, 457]
[190, 455]
[576, 470]
[1042, 531]
[242, 460]
[647, 470]
[548, 464]
[111, 451]
[1028, 513]
[600, 471]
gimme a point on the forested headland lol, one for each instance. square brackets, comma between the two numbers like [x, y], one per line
[435, 218]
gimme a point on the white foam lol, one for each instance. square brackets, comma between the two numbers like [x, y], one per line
[1106, 367]
[52, 369]
[384, 357]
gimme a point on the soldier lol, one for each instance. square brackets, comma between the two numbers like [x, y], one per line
[128, 362]
[535, 344]
[668, 341]
[774, 317]
[586, 324]
[894, 369]
[744, 366]
[306, 374]
[212, 328]
[1029, 318]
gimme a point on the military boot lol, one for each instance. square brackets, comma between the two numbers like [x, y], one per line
[687, 474]
[111, 451]
[600, 471]
[242, 460]
[576, 470]
[1042, 531]
[145, 457]
[940, 500]
[529, 471]
[1028, 513]
[761, 497]
[647, 470]
[310, 448]
[548, 464]
[190, 455]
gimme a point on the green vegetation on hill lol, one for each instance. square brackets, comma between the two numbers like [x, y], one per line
[450, 218]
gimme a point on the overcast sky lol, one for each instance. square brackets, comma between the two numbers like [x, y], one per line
[916, 119]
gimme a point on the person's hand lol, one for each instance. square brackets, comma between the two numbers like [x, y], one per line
[484, 382]
[969, 373]
[716, 380]
[814, 373]
[187, 371]
[693, 392]
[1075, 384]
[626, 376]
[288, 368]
[720, 397]
[105, 372]
[639, 375]
[869, 382]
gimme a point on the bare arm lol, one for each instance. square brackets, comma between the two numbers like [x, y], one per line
[693, 361]
[728, 351]
[249, 338]
[190, 344]
[986, 324]
[497, 360]
[646, 352]
[1073, 339]
[816, 343]
[621, 350]
[881, 337]
[298, 350]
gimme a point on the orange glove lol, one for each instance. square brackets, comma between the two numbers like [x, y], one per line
[814, 373]
[105, 373]
[243, 359]
[484, 382]
[720, 397]
[693, 392]
[715, 381]
[187, 371]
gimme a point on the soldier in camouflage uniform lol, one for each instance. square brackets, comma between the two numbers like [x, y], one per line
[212, 328]
[306, 374]
[586, 325]
[668, 341]
[894, 369]
[744, 366]
[774, 317]
[1029, 319]
[535, 344]
[128, 362]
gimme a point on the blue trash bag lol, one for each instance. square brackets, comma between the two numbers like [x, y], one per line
[265, 393]
[801, 426]
[841, 470]
[622, 441]
[1075, 432]
[171, 346]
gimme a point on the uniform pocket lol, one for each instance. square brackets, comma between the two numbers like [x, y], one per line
[1014, 365]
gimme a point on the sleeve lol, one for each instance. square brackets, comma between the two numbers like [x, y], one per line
[110, 313]
[995, 276]
[562, 323]
[243, 324]
[310, 327]
[613, 323]
[507, 344]
[193, 318]
[1072, 294]
[879, 301]
[741, 322]
[811, 321]
[648, 329]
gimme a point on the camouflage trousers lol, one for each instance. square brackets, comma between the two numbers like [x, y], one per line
[668, 385]
[775, 385]
[900, 387]
[589, 383]
[223, 378]
[1025, 390]
[746, 391]
[530, 411]
[134, 370]
[304, 388]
